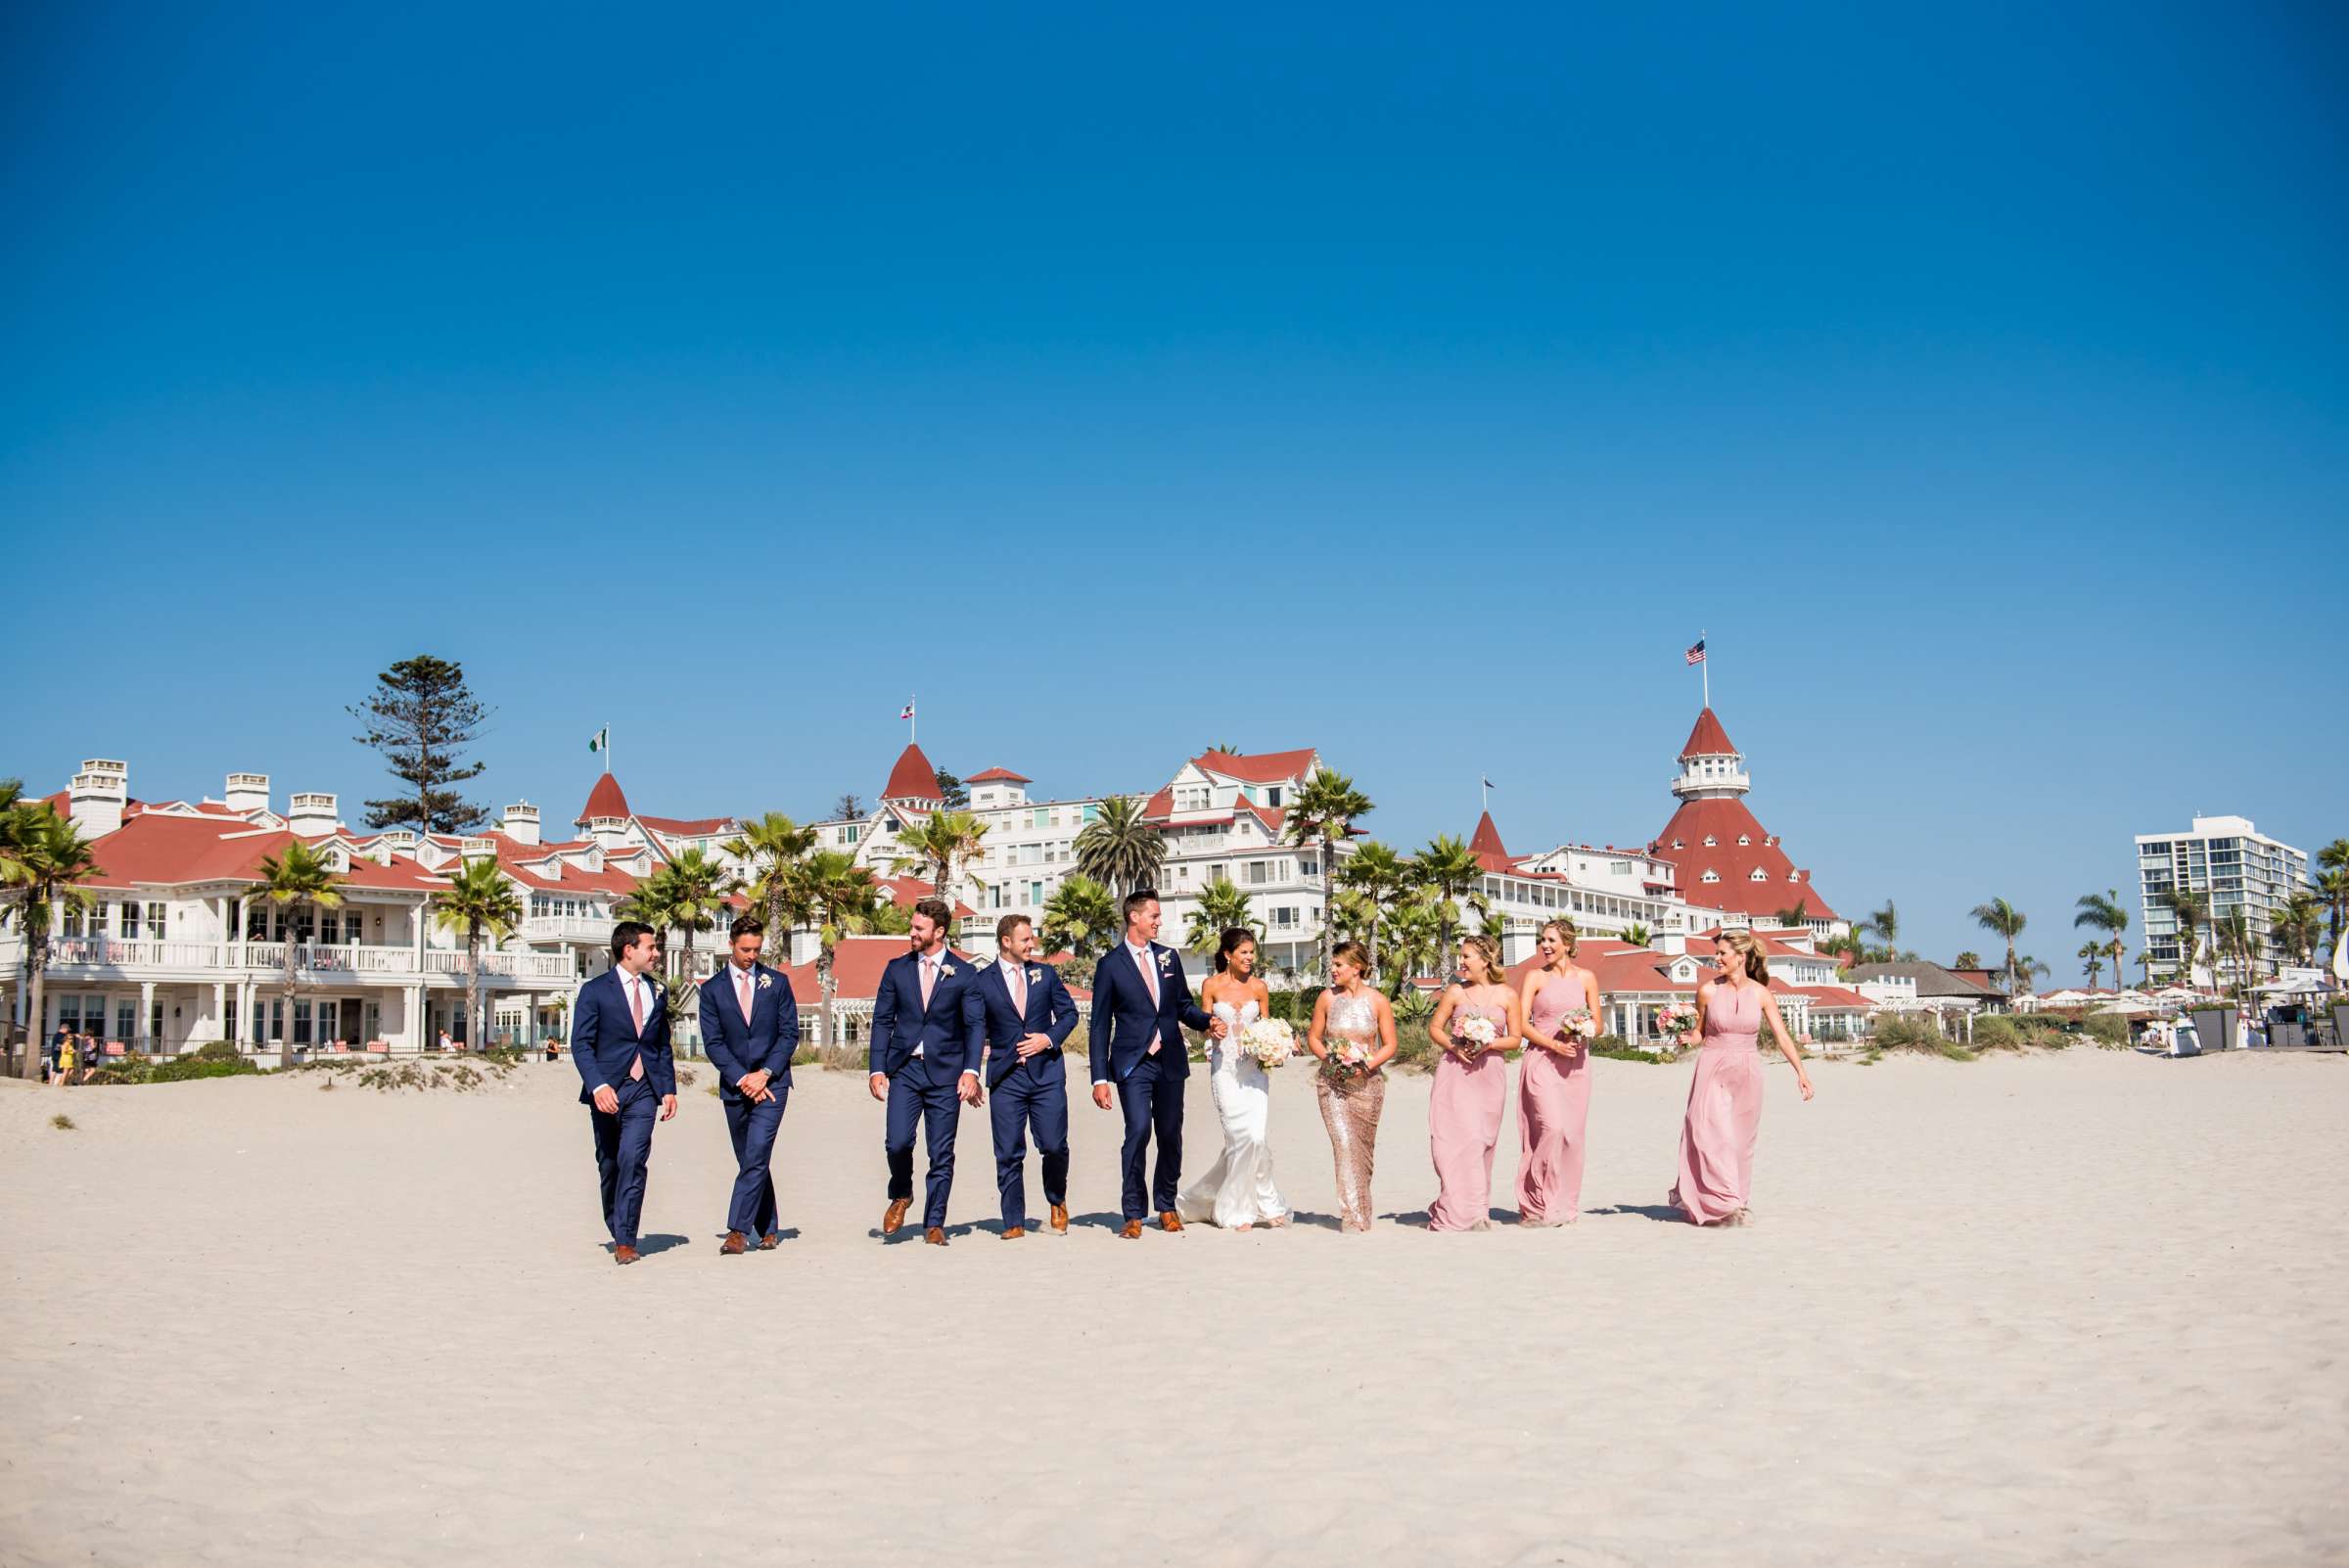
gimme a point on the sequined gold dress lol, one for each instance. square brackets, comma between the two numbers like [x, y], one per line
[1349, 1105]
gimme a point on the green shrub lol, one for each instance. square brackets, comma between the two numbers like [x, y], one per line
[1616, 1048]
[173, 1069]
[216, 1050]
[1994, 1032]
[61, 1122]
[1916, 1035]
[2109, 1031]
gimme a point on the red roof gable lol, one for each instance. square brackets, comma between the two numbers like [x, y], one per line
[605, 799]
[1725, 821]
[910, 891]
[912, 779]
[998, 775]
[1708, 738]
[1487, 847]
[687, 827]
[1256, 767]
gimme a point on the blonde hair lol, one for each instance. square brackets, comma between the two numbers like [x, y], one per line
[1354, 953]
[1489, 951]
[1747, 946]
[1566, 933]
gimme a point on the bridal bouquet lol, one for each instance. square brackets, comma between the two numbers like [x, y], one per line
[1269, 1040]
[1676, 1019]
[1476, 1034]
[1347, 1059]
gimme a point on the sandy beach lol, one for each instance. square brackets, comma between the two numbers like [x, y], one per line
[2080, 1307]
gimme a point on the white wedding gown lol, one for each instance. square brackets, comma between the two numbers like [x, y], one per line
[1237, 1189]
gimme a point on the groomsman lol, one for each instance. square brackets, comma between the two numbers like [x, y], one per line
[1140, 1004]
[751, 1027]
[1027, 1014]
[620, 1044]
[923, 1062]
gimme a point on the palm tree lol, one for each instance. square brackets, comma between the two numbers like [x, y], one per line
[699, 888]
[2025, 968]
[1638, 934]
[480, 900]
[1121, 849]
[11, 864]
[2092, 955]
[1081, 917]
[2192, 909]
[2298, 925]
[2102, 911]
[1447, 869]
[1228, 750]
[1414, 939]
[1795, 916]
[1376, 872]
[1885, 923]
[773, 847]
[946, 844]
[46, 859]
[2332, 885]
[297, 881]
[843, 901]
[2230, 934]
[1222, 905]
[1322, 814]
[2008, 921]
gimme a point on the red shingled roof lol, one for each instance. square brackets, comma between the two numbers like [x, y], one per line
[152, 849]
[912, 779]
[1708, 738]
[1724, 821]
[998, 775]
[694, 827]
[1256, 767]
[605, 799]
[910, 891]
[1485, 843]
[856, 965]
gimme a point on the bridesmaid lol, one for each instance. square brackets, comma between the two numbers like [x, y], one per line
[1554, 1085]
[1725, 1099]
[1472, 1089]
[1350, 1013]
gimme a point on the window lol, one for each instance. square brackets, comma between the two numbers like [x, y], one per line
[1036, 892]
[1285, 915]
[1091, 812]
[1710, 841]
[1745, 837]
[130, 920]
[228, 1020]
[1218, 871]
[126, 1020]
[848, 835]
[1272, 797]
[1259, 872]
[1712, 876]
[1040, 818]
[1758, 875]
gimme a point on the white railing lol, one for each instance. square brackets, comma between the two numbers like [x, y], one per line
[99, 957]
[549, 966]
[566, 928]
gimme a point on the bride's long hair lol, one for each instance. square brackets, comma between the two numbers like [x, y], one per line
[1233, 936]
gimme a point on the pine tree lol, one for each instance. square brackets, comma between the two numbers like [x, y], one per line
[420, 717]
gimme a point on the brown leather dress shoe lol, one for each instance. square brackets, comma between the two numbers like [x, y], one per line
[935, 1236]
[895, 1216]
[1133, 1230]
[1170, 1221]
[733, 1246]
[1014, 1232]
[770, 1241]
[1060, 1218]
[623, 1255]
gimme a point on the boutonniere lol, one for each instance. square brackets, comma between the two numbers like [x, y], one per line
[766, 980]
[1035, 976]
[946, 971]
[1165, 962]
[656, 991]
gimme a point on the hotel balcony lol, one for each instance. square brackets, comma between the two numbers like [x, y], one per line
[88, 959]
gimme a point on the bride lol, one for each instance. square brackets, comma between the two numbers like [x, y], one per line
[1237, 1191]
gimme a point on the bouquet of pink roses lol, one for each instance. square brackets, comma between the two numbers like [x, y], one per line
[1674, 1020]
[1579, 1023]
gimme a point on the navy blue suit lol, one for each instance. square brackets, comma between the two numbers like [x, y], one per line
[1034, 1092]
[922, 1088]
[763, 1043]
[604, 1042]
[1127, 1023]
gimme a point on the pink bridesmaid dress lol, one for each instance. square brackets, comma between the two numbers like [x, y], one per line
[1724, 1110]
[1553, 1106]
[1463, 1128]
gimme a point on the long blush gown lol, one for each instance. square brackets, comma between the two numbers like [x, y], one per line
[1350, 1108]
[1463, 1126]
[1724, 1110]
[1553, 1106]
[1237, 1189]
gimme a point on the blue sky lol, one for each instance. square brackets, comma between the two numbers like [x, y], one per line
[1410, 383]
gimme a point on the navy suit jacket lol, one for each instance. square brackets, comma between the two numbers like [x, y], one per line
[766, 1041]
[1051, 1010]
[604, 1037]
[1126, 1020]
[947, 1030]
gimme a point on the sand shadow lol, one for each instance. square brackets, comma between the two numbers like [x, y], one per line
[1318, 1221]
[1646, 1211]
[646, 1245]
[750, 1242]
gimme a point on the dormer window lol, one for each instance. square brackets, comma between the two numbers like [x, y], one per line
[1711, 841]
[1745, 837]
[1678, 845]
[1712, 876]
[1758, 875]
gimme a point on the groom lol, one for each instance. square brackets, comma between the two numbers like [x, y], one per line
[1140, 1004]
[620, 1044]
[922, 1060]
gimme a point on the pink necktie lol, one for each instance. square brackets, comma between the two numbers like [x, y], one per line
[741, 991]
[929, 978]
[1019, 991]
[636, 1011]
[1149, 975]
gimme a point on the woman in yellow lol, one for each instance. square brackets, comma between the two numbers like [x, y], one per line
[67, 1054]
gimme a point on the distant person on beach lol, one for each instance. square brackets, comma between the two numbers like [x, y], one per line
[66, 1043]
[620, 1044]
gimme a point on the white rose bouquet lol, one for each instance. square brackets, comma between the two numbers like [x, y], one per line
[1476, 1032]
[1270, 1040]
[1580, 1021]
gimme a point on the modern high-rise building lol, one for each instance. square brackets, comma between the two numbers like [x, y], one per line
[2234, 866]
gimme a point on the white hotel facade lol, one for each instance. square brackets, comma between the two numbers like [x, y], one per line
[173, 954]
[2234, 866]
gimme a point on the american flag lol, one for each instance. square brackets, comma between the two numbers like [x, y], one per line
[909, 712]
[1696, 655]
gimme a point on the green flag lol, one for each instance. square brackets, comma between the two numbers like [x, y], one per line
[601, 740]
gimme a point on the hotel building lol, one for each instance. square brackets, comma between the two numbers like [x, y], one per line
[2234, 866]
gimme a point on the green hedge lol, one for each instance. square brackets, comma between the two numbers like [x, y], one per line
[173, 1069]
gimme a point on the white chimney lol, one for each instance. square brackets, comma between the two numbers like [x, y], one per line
[519, 822]
[101, 790]
[247, 792]
[311, 816]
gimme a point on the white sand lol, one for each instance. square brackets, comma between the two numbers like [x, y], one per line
[2085, 1308]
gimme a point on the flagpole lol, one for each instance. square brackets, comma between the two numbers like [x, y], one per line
[1704, 668]
[607, 746]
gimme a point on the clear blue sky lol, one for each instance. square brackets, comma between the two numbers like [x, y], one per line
[1410, 383]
